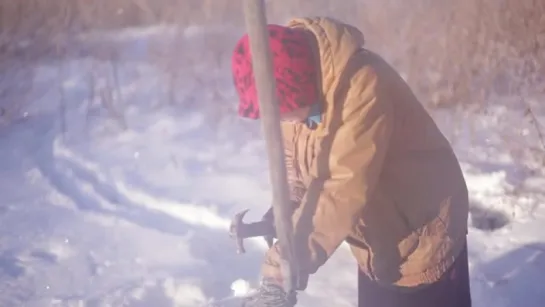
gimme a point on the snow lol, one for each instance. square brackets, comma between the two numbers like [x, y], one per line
[119, 179]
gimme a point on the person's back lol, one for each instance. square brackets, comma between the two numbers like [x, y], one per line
[368, 165]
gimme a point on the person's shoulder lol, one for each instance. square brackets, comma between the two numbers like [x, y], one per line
[373, 63]
[362, 71]
[369, 69]
[364, 62]
[367, 80]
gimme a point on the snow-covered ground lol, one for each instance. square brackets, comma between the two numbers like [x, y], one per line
[118, 180]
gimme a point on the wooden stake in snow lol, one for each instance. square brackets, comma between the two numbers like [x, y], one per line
[256, 25]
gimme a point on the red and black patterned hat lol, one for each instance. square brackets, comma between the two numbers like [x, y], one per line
[294, 69]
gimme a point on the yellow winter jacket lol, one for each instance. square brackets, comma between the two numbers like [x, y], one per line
[376, 172]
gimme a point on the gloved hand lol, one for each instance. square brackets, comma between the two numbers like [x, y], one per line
[271, 269]
[270, 294]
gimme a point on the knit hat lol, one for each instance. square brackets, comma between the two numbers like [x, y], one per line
[294, 69]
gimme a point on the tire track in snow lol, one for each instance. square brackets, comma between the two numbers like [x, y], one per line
[116, 197]
[91, 189]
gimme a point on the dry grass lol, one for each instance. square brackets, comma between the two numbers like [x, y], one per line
[450, 51]
[458, 53]
[461, 54]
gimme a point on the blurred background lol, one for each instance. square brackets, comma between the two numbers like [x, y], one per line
[451, 52]
[469, 55]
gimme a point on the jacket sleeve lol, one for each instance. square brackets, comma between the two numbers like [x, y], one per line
[296, 187]
[354, 151]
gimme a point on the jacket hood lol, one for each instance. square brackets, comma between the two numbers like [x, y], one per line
[337, 42]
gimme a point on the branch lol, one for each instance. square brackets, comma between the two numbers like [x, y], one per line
[534, 121]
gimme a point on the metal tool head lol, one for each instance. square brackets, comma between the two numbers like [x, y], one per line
[239, 230]
[235, 228]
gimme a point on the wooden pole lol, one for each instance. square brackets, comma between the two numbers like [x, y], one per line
[256, 25]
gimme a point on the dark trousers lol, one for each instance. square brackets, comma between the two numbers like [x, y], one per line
[452, 290]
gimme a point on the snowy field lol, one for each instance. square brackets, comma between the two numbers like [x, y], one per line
[118, 181]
